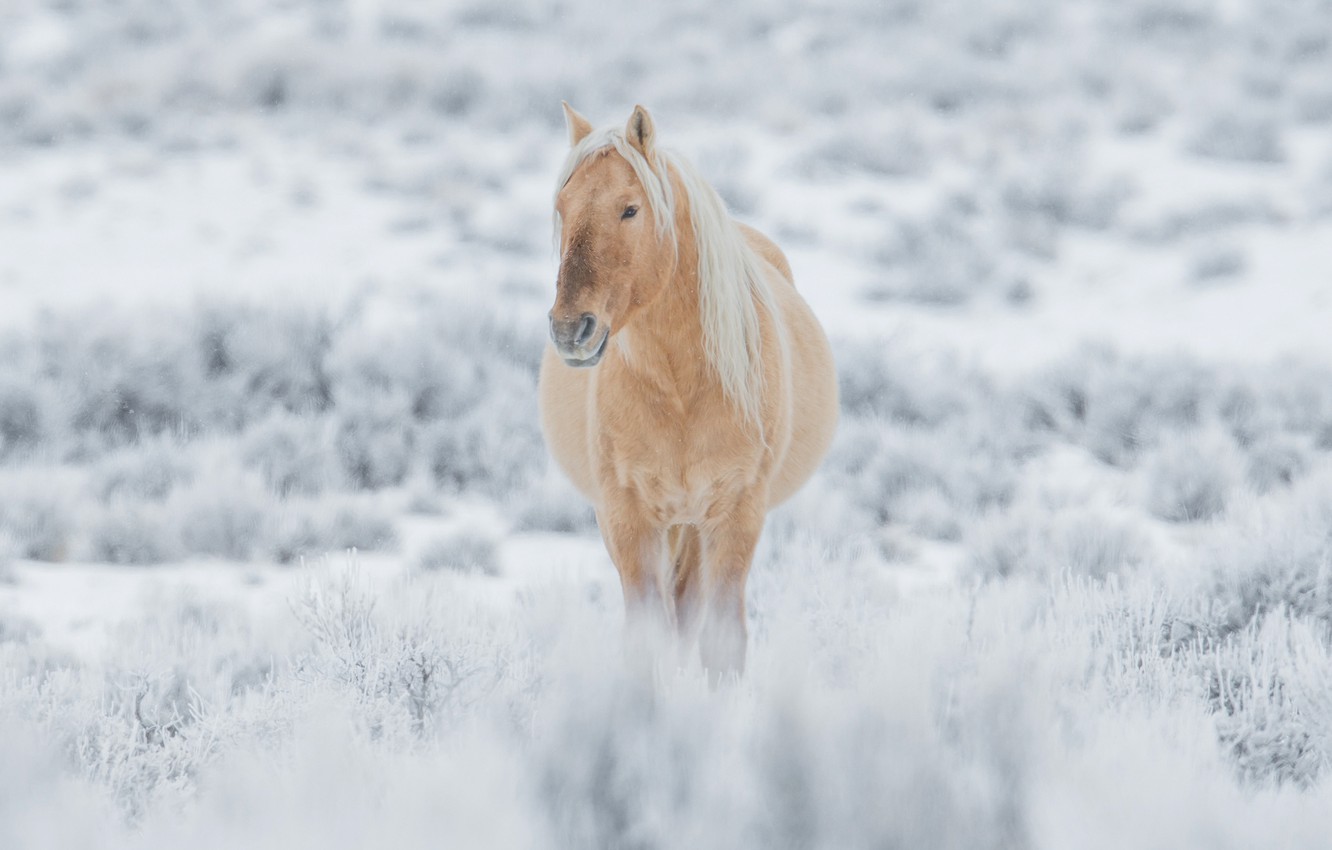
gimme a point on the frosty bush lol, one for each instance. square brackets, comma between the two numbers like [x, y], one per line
[37, 512]
[1239, 136]
[7, 550]
[942, 260]
[149, 471]
[258, 360]
[312, 528]
[1276, 461]
[1275, 557]
[374, 440]
[22, 420]
[492, 450]
[905, 387]
[463, 550]
[1189, 479]
[1116, 407]
[1036, 542]
[552, 504]
[225, 515]
[1270, 689]
[134, 534]
[294, 454]
[897, 152]
[1217, 264]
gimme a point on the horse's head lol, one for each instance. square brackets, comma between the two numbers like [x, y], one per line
[614, 252]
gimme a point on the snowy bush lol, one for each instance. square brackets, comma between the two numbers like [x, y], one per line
[492, 450]
[1276, 462]
[551, 503]
[37, 512]
[1217, 265]
[375, 441]
[260, 360]
[294, 454]
[23, 424]
[941, 260]
[897, 152]
[8, 548]
[1037, 542]
[1191, 478]
[464, 550]
[224, 515]
[148, 472]
[1275, 557]
[133, 533]
[1239, 136]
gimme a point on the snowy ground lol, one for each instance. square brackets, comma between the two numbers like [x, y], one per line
[281, 558]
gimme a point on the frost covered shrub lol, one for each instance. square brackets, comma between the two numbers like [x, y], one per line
[134, 533]
[1191, 478]
[1117, 407]
[223, 514]
[398, 665]
[257, 360]
[1277, 461]
[422, 360]
[492, 450]
[904, 387]
[898, 152]
[943, 260]
[463, 550]
[294, 454]
[37, 511]
[930, 478]
[149, 471]
[1272, 695]
[1032, 541]
[1277, 557]
[1240, 136]
[7, 550]
[128, 388]
[1217, 264]
[23, 425]
[312, 528]
[1064, 197]
[374, 440]
[550, 503]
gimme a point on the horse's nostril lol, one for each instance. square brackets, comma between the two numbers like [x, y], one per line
[585, 329]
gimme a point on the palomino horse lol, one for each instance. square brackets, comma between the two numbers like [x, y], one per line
[687, 388]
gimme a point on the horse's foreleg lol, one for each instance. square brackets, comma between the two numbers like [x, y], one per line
[729, 540]
[686, 551]
[638, 549]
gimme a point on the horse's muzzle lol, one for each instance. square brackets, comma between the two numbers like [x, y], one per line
[574, 339]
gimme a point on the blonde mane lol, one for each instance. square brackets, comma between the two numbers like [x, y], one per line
[731, 283]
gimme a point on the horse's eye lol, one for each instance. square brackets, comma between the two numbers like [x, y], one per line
[629, 212]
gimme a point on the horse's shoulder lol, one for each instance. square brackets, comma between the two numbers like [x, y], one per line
[768, 250]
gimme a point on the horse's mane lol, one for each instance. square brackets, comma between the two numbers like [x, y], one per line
[730, 281]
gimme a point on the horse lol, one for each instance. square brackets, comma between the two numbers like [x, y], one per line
[686, 389]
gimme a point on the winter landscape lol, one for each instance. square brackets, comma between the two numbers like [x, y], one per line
[283, 562]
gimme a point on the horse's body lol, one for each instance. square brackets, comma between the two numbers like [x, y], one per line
[713, 396]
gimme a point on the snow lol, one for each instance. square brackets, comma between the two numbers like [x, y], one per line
[1076, 263]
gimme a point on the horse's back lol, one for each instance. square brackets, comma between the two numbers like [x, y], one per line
[814, 401]
[768, 250]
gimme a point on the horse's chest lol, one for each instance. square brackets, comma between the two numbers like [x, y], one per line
[679, 459]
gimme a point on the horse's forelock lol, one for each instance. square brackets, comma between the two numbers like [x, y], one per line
[653, 176]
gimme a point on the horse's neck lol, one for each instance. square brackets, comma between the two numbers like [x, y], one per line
[664, 343]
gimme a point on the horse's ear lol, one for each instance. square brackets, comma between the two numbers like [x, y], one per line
[578, 126]
[640, 132]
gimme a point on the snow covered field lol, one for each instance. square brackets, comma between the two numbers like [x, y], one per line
[283, 563]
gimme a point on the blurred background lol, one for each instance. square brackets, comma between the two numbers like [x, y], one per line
[273, 285]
